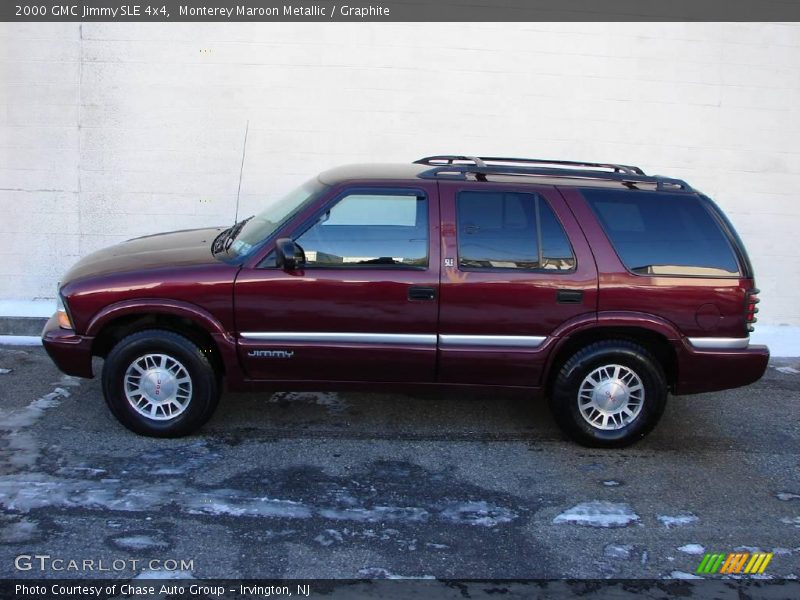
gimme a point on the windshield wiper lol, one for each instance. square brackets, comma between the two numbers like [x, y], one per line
[219, 242]
[225, 239]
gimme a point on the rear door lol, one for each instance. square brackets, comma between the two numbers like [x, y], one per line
[365, 305]
[516, 267]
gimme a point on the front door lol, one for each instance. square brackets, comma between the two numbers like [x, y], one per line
[365, 305]
[516, 267]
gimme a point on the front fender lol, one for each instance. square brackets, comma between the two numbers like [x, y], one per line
[225, 341]
[152, 306]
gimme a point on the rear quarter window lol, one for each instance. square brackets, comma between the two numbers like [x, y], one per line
[657, 233]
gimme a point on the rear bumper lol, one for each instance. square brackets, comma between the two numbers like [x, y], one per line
[711, 370]
[72, 353]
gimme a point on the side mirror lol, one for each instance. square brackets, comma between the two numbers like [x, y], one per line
[289, 256]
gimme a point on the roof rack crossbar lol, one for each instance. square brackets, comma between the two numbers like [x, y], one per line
[447, 159]
[458, 167]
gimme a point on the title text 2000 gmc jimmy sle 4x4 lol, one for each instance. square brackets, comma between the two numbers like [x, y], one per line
[594, 285]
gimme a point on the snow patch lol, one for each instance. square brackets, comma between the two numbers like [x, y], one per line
[791, 521]
[139, 542]
[477, 513]
[151, 574]
[621, 551]
[20, 340]
[329, 537]
[79, 471]
[25, 492]
[376, 514]
[669, 521]
[692, 549]
[786, 496]
[599, 513]
[682, 575]
[23, 448]
[5, 371]
[436, 546]
[330, 400]
[18, 532]
[33, 412]
[611, 483]
[381, 573]
[237, 504]
[787, 370]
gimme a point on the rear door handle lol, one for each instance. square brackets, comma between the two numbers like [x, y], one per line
[569, 296]
[421, 293]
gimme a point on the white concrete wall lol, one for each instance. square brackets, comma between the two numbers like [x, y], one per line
[110, 131]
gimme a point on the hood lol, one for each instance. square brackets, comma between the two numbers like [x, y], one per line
[191, 247]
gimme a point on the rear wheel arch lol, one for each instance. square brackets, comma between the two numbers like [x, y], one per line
[656, 343]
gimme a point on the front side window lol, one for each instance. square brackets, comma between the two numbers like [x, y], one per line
[510, 230]
[372, 229]
[268, 221]
[657, 233]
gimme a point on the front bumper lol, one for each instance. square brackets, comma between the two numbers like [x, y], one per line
[701, 370]
[71, 352]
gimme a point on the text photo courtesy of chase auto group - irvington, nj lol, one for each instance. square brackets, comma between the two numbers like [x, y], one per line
[399, 299]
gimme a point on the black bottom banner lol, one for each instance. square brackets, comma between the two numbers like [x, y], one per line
[418, 589]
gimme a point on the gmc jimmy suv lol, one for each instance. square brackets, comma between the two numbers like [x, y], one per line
[594, 285]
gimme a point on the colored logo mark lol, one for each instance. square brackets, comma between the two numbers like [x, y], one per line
[734, 563]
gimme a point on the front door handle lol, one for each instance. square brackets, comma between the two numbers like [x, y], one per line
[416, 292]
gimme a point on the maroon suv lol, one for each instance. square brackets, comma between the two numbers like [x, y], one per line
[595, 285]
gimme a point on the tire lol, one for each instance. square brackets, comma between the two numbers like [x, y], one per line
[621, 387]
[153, 363]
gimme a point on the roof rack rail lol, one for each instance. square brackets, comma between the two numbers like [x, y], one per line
[448, 166]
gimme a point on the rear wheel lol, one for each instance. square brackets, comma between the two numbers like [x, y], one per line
[159, 383]
[609, 394]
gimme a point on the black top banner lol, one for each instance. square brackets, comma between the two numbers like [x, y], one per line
[400, 10]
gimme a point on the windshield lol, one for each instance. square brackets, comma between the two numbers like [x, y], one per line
[265, 223]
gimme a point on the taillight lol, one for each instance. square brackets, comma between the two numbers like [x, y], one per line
[750, 308]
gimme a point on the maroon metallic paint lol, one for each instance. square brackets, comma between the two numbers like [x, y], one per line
[176, 274]
[506, 302]
[676, 299]
[342, 300]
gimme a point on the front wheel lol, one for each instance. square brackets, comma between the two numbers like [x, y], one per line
[160, 384]
[609, 394]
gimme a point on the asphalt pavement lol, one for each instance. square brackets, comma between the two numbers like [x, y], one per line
[354, 485]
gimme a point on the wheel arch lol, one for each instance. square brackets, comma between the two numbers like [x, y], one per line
[117, 321]
[652, 333]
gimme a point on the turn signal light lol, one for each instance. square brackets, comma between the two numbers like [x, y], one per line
[61, 313]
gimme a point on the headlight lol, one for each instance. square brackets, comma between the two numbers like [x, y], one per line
[61, 311]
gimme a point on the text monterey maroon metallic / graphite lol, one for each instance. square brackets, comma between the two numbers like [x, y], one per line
[594, 285]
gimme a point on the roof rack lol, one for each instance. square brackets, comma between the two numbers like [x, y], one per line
[458, 167]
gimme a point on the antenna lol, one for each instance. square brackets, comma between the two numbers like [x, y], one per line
[241, 169]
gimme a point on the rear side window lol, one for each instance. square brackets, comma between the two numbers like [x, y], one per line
[663, 234]
[509, 230]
